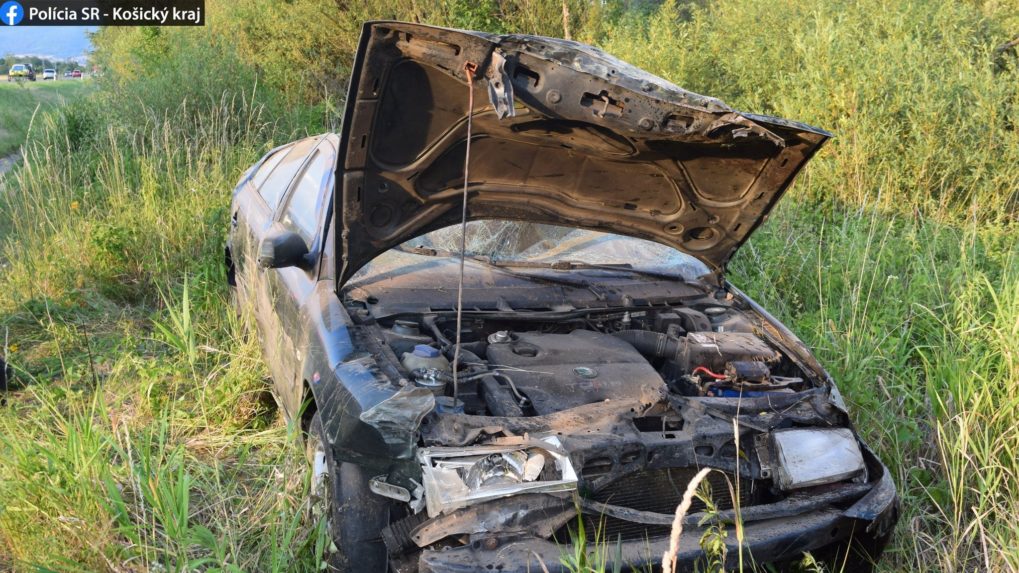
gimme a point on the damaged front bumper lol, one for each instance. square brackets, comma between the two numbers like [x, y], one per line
[622, 468]
[517, 534]
[767, 541]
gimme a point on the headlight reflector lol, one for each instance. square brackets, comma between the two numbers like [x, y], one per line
[813, 456]
[458, 477]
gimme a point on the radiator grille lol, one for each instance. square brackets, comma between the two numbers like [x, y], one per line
[659, 491]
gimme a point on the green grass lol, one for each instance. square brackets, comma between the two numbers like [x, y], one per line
[20, 102]
[896, 257]
[143, 434]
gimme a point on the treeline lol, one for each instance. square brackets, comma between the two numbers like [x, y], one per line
[295, 56]
[892, 89]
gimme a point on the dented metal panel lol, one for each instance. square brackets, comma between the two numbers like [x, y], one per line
[570, 136]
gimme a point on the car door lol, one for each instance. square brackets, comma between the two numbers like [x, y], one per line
[303, 211]
[255, 206]
[250, 215]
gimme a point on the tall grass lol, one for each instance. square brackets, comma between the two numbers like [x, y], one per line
[142, 437]
[130, 446]
[896, 256]
[917, 322]
[21, 102]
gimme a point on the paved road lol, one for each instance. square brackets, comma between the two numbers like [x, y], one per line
[8, 162]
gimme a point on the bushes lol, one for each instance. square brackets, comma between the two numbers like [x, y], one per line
[157, 71]
[922, 120]
[895, 256]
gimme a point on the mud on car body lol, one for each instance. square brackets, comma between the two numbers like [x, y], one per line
[604, 357]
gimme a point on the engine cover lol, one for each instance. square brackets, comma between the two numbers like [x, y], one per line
[562, 371]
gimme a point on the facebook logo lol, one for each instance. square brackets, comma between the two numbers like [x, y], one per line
[11, 13]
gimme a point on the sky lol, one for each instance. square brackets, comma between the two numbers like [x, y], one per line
[59, 41]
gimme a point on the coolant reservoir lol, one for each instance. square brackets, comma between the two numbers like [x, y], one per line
[425, 357]
[724, 320]
[404, 336]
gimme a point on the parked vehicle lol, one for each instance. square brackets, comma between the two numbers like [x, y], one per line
[76, 74]
[601, 357]
[67, 74]
[49, 74]
[21, 72]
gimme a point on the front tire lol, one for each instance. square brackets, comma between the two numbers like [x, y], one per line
[354, 515]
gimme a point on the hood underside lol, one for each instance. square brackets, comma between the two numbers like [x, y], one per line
[562, 134]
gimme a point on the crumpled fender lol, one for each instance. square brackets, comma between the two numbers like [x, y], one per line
[881, 504]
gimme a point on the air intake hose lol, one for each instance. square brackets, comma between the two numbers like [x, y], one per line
[652, 344]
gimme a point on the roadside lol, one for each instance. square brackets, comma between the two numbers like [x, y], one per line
[8, 162]
[25, 102]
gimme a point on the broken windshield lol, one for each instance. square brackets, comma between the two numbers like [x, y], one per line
[504, 241]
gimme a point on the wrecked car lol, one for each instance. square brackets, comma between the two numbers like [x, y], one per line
[597, 357]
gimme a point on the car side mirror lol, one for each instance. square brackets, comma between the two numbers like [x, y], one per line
[282, 249]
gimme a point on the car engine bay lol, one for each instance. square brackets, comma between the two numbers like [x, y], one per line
[527, 369]
[602, 416]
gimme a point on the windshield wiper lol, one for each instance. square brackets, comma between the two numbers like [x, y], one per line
[578, 265]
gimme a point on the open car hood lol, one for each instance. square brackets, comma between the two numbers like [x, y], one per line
[562, 134]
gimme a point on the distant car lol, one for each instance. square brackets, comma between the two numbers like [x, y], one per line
[49, 74]
[21, 72]
[67, 74]
[76, 74]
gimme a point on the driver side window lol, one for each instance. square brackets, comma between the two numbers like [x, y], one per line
[278, 180]
[304, 205]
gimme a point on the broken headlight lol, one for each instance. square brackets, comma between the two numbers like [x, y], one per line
[458, 477]
[803, 457]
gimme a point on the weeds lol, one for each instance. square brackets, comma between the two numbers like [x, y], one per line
[591, 554]
[713, 539]
[895, 257]
[179, 331]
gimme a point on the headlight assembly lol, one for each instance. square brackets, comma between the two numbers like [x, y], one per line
[457, 477]
[803, 457]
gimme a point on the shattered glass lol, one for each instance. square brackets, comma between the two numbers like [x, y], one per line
[540, 243]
